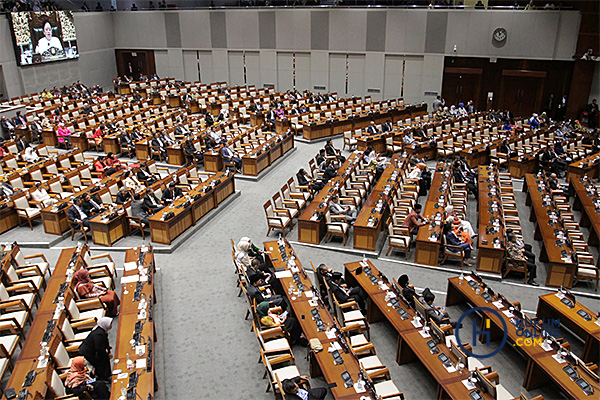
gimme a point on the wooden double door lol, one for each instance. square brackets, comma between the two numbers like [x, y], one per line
[521, 91]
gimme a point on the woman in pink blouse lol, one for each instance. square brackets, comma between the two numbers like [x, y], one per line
[63, 134]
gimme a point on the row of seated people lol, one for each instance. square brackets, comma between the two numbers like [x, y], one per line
[567, 231]
[87, 299]
[277, 331]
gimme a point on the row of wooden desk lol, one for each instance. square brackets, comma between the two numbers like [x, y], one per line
[374, 214]
[542, 365]
[589, 166]
[338, 126]
[45, 314]
[587, 201]
[428, 239]
[320, 363]
[411, 345]
[312, 228]
[136, 322]
[561, 270]
[188, 209]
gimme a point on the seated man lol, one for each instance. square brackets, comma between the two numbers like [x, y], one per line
[439, 315]
[171, 193]
[229, 155]
[91, 204]
[77, 217]
[343, 294]
[337, 209]
[123, 196]
[413, 220]
[152, 202]
[408, 291]
[453, 240]
[294, 392]
[139, 209]
[515, 252]
[255, 293]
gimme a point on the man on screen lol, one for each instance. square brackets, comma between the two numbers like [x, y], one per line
[48, 42]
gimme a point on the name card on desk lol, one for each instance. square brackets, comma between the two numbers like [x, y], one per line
[468, 384]
[498, 304]
[140, 363]
[508, 313]
[451, 368]
[559, 359]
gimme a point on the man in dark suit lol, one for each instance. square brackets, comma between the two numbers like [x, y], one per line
[344, 294]
[36, 129]
[22, 143]
[256, 107]
[372, 129]
[7, 127]
[151, 202]
[255, 293]
[91, 205]
[171, 193]
[143, 174]
[461, 176]
[270, 117]
[127, 145]
[139, 209]
[387, 126]
[77, 216]
[6, 190]
[123, 196]
[86, 108]
[330, 172]
[19, 120]
[294, 392]
[157, 142]
[209, 119]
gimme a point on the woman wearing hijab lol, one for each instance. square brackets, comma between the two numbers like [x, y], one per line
[86, 289]
[421, 173]
[77, 378]
[465, 225]
[291, 324]
[96, 349]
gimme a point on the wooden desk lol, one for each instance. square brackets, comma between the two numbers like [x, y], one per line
[80, 141]
[519, 166]
[589, 166]
[367, 232]
[49, 137]
[256, 119]
[128, 317]
[281, 125]
[166, 231]
[253, 163]
[584, 202]
[490, 257]
[320, 363]
[411, 344]
[175, 155]
[476, 155]
[8, 218]
[142, 149]
[560, 272]
[316, 130]
[541, 368]
[427, 251]
[106, 232]
[311, 230]
[551, 307]
[30, 351]
[111, 144]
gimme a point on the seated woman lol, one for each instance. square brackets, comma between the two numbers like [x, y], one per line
[98, 135]
[291, 324]
[466, 225]
[64, 135]
[112, 161]
[87, 289]
[453, 240]
[77, 378]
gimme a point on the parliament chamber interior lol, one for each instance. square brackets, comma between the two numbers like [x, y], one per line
[299, 200]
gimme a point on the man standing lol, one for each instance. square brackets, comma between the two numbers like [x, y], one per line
[592, 114]
[437, 103]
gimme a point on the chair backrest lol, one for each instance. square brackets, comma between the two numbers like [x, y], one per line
[420, 308]
[268, 208]
[61, 356]
[73, 309]
[106, 198]
[67, 330]
[277, 200]
[57, 385]
[20, 200]
[4, 295]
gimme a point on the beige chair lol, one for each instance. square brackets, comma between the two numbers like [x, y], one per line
[384, 386]
[279, 367]
[398, 241]
[349, 140]
[275, 219]
[272, 340]
[40, 268]
[586, 270]
[24, 209]
[135, 222]
[289, 205]
[513, 264]
[289, 196]
[336, 225]
[459, 255]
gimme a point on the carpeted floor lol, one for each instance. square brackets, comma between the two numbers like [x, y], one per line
[205, 348]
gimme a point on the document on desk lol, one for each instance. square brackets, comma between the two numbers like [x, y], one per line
[130, 279]
[450, 369]
[424, 334]
[508, 313]
[330, 334]
[140, 363]
[283, 274]
[130, 266]
[308, 294]
[558, 358]
[498, 304]
[334, 346]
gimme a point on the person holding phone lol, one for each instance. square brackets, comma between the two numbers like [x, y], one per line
[80, 383]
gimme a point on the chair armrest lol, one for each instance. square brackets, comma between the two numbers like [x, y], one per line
[272, 333]
[281, 359]
[286, 212]
[80, 323]
[290, 203]
[22, 287]
[40, 255]
[89, 304]
[338, 216]
[104, 255]
[20, 303]
[30, 268]
[350, 304]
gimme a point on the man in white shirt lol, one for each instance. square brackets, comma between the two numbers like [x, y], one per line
[41, 195]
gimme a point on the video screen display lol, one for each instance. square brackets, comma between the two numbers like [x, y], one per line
[43, 36]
